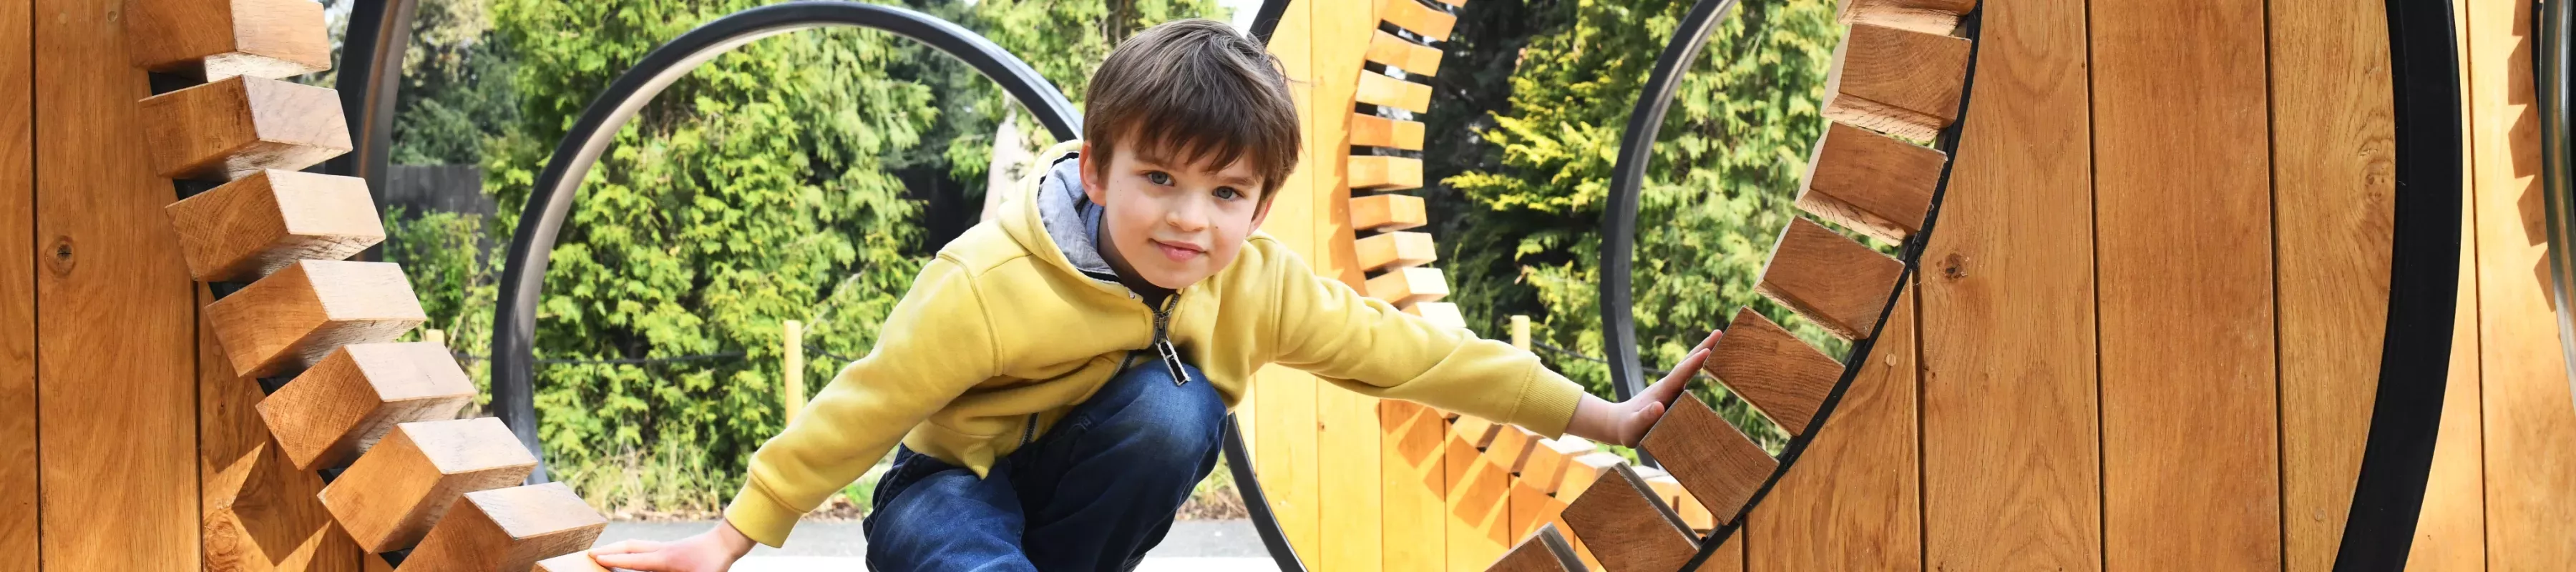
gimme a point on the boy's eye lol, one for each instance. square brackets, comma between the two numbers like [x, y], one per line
[1158, 177]
[1227, 193]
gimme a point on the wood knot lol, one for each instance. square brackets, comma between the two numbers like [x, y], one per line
[1954, 266]
[59, 256]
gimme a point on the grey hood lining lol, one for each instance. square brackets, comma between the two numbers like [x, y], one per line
[1071, 219]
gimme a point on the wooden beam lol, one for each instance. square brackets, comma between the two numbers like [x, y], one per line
[1414, 16]
[508, 529]
[1511, 447]
[1834, 281]
[1403, 54]
[1900, 82]
[1872, 183]
[1476, 430]
[1374, 131]
[217, 39]
[260, 223]
[574, 562]
[1926, 16]
[1404, 286]
[1716, 462]
[1387, 212]
[1627, 527]
[293, 318]
[1543, 551]
[1442, 313]
[1395, 249]
[1584, 470]
[1380, 90]
[232, 128]
[1782, 375]
[391, 496]
[1384, 173]
[347, 402]
[1548, 460]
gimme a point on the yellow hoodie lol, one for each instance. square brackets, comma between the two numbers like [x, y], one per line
[1000, 328]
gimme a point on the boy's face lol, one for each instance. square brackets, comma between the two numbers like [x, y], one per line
[1170, 223]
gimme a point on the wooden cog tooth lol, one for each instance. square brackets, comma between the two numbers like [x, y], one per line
[219, 39]
[260, 223]
[1422, 20]
[1838, 283]
[1545, 550]
[1627, 527]
[1926, 16]
[293, 318]
[260, 511]
[391, 496]
[1532, 508]
[1399, 53]
[1549, 459]
[1406, 286]
[347, 402]
[1479, 493]
[1379, 90]
[1476, 430]
[1872, 183]
[242, 125]
[1373, 131]
[1782, 375]
[1395, 249]
[1384, 173]
[1899, 82]
[1387, 212]
[1439, 313]
[1715, 462]
[508, 529]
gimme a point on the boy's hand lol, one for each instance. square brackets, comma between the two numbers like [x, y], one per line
[1626, 422]
[710, 551]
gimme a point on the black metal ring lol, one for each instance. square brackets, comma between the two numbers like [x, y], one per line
[2558, 191]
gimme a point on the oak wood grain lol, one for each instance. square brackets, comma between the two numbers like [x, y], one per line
[1395, 249]
[1625, 527]
[217, 39]
[1544, 550]
[1384, 173]
[269, 219]
[1780, 374]
[345, 403]
[1404, 286]
[1876, 184]
[1402, 54]
[234, 127]
[1837, 283]
[389, 499]
[1374, 131]
[508, 529]
[1897, 81]
[1926, 16]
[1380, 90]
[294, 317]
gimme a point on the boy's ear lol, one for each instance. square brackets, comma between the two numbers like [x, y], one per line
[1092, 186]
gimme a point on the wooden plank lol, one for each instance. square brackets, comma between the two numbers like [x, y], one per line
[283, 527]
[1544, 550]
[294, 317]
[251, 227]
[18, 480]
[2333, 192]
[2185, 238]
[350, 400]
[1926, 16]
[1875, 184]
[1374, 131]
[1414, 16]
[1283, 404]
[1719, 465]
[1387, 212]
[574, 562]
[1580, 473]
[1442, 313]
[2530, 418]
[231, 128]
[1380, 90]
[1403, 54]
[1895, 81]
[214, 39]
[1384, 173]
[2008, 322]
[391, 496]
[1412, 486]
[1396, 249]
[508, 529]
[1478, 504]
[1548, 460]
[1624, 526]
[1404, 286]
[115, 406]
[1782, 375]
[1852, 503]
[1837, 283]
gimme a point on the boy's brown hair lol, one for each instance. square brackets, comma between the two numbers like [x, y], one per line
[1194, 90]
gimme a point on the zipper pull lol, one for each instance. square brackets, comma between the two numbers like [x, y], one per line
[1172, 361]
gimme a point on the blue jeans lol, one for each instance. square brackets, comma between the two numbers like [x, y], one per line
[1092, 494]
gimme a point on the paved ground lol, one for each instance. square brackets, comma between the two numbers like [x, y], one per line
[1193, 545]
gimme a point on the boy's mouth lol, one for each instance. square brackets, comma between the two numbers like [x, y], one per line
[1177, 251]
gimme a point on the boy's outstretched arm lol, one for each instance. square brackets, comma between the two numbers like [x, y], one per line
[1626, 422]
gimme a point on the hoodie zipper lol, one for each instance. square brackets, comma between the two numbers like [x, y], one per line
[1163, 339]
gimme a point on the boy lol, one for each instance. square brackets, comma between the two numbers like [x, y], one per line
[1059, 376]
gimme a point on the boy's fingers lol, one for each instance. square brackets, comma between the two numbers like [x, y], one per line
[1711, 340]
[648, 561]
[630, 546]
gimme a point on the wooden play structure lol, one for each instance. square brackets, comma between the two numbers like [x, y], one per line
[2154, 311]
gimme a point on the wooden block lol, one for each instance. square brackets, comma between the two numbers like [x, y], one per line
[1387, 212]
[293, 318]
[1476, 430]
[1899, 82]
[1627, 528]
[1926, 16]
[1717, 463]
[1373, 131]
[1545, 550]
[1511, 447]
[1693, 513]
[391, 496]
[1404, 286]
[250, 227]
[374, 563]
[508, 529]
[1403, 54]
[1834, 281]
[352, 397]
[574, 562]
[1782, 375]
[235, 127]
[1395, 249]
[1876, 184]
[1384, 173]
[1442, 313]
[1533, 508]
[1582, 471]
[1548, 459]
[1380, 90]
[218, 39]
[1415, 17]
[260, 514]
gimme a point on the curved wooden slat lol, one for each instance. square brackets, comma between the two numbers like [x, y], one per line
[250, 227]
[1383, 173]
[1380, 90]
[217, 39]
[1926, 16]
[238, 126]
[296, 316]
[1835, 282]
[1414, 59]
[354, 396]
[508, 529]
[1872, 183]
[1627, 527]
[1716, 462]
[1900, 82]
[1406, 286]
[1395, 249]
[1782, 375]
[1373, 131]
[391, 496]
[1415, 17]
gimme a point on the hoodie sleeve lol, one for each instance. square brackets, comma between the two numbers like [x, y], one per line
[937, 343]
[1364, 345]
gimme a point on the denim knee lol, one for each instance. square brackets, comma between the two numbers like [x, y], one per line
[1170, 422]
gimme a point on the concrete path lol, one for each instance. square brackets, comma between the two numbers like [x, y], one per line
[1193, 545]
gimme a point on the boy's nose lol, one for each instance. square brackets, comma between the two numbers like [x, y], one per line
[1187, 216]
